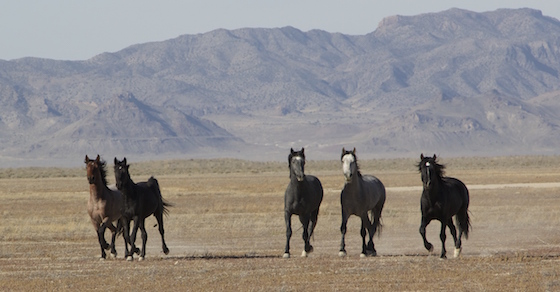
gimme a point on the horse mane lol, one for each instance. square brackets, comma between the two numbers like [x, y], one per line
[439, 168]
[103, 171]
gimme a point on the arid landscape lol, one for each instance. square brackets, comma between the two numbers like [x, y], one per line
[226, 230]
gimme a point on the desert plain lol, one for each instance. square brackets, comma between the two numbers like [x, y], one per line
[226, 230]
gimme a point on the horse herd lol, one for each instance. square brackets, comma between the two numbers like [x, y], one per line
[363, 195]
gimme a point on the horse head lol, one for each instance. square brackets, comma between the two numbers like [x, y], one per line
[296, 162]
[349, 163]
[429, 169]
[122, 176]
[92, 168]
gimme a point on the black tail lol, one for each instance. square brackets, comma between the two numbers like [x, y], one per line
[464, 221]
[153, 183]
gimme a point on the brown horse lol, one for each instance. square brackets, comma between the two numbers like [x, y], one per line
[104, 205]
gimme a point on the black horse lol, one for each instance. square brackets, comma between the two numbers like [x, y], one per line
[303, 197]
[140, 201]
[362, 195]
[442, 198]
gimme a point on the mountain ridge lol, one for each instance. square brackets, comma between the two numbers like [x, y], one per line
[454, 82]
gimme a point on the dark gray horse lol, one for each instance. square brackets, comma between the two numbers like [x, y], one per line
[303, 197]
[442, 198]
[362, 194]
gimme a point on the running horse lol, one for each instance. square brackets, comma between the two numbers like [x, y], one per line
[442, 198]
[140, 201]
[363, 196]
[104, 205]
[303, 196]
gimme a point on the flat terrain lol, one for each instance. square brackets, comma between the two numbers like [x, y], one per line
[226, 231]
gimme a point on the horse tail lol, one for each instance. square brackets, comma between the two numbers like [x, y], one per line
[153, 183]
[463, 219]
[376, 215]
[313, 222]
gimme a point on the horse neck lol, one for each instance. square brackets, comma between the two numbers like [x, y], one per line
[128, 187]
[433, 191]
[354, 186]
[96, 191]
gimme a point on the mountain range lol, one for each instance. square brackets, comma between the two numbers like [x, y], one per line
[455, 83]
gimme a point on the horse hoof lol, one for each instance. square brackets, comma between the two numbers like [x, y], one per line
[129, 258]
[363, 255]
[140, 259]
[458, 252]
[114, 255]
[342, 253]
[166, 250]
[286, 255]
[101, 259]
[430, 248]
[304, 254]
[443, 257]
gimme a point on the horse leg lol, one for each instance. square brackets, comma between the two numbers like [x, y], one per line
[159, 218]
[144, 239]
[304, 219]
[288, 219]
[133, 248]
[453, 230]
[313, 219]
[100, 230]
[423, 225]
[342, 251]
[371, 228]
[462, 219]
[113, 237]
[363, 233]
[126, 236]
[442, 236]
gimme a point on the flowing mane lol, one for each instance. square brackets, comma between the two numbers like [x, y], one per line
[439, 168]
[103, 171]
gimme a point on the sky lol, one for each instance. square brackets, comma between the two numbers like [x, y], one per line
[79, 30]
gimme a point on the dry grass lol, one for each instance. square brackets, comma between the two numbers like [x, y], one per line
[226, 231]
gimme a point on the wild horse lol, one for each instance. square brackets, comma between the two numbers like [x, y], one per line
[362, 194]
[140, 201]
[104, 205]
[443, 198]
[302, 197]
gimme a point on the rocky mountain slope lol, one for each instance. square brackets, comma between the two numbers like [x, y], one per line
[453, 83]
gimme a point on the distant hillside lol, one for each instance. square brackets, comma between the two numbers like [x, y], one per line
[454, 83]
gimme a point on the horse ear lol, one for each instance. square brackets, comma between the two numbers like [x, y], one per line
[124, 161]
[292, 151]
[116, 161]
[435, 157]
[86, 159]
[302, 149]
[354, 151]
[98, 158]
[421, 156]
